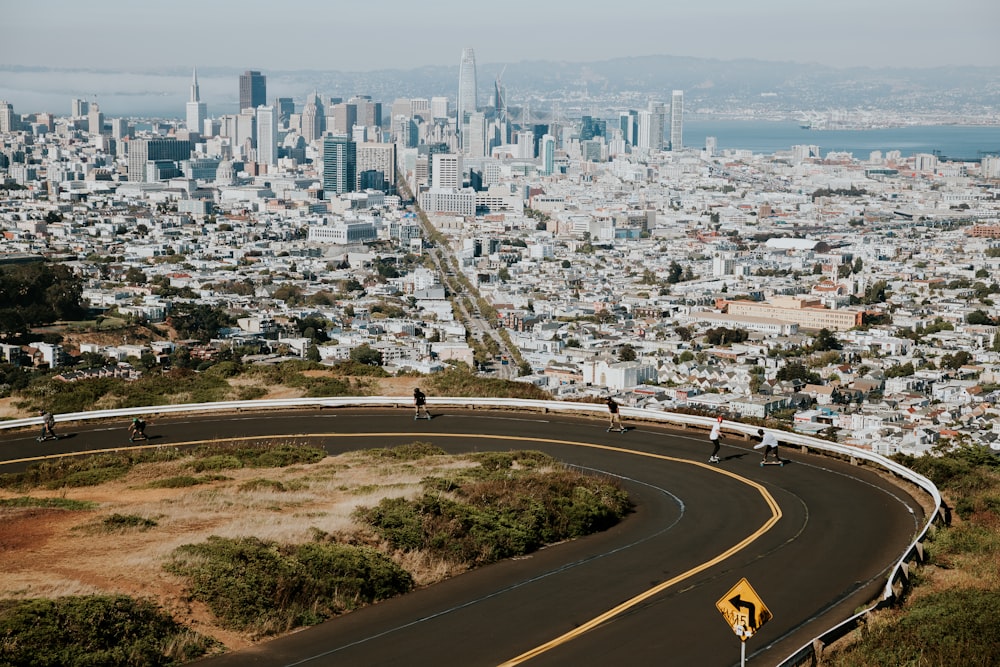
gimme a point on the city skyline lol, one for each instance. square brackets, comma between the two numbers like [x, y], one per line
[893, 33]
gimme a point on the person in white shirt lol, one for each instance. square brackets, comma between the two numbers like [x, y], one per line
[713, 438]
[768, 443]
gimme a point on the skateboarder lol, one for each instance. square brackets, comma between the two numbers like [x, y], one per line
[615, 423]
[48, 426]
[420, 404]
[769, 444]
[137, 431]
[713, 438]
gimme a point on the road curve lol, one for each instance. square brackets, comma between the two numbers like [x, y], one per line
[816, 539]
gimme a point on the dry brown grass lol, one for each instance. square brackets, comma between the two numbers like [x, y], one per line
[50, 553]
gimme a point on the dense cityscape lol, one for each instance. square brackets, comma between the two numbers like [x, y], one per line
[848, 296]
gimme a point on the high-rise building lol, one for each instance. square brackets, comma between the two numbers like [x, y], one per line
[141, 152]
[120, 129]
[628, 123]
[547, 152]
[196, 110]
[95, 120]
[651, 127]
[466, 90]
[439, 107]
[253, 90]
[677, 120]
[8, 121]
[340, 164]
[447, 171]
[369, 113]
[79, 108]
[313, 118]
[284, 107]
[267, 135]
[343, 118]
[377, 157]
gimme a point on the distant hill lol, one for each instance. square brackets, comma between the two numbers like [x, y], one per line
[709, 85]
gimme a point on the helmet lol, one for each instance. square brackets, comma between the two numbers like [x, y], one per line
[135, 419]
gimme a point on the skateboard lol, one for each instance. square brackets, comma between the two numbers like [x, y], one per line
[424, 417]
[43, 438]
[138, 437]
[772, 463]
[618, 430]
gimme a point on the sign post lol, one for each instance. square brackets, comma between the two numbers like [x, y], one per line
[744, 612]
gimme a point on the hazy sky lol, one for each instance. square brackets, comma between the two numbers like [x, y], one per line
[350, 35]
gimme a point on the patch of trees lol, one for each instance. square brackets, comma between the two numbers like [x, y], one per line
[798, 371]
[839, 192]
[38, 294]
[199, 322]
[725, 336]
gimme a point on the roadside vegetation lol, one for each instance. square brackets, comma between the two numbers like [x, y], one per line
[415, 516]
[952, 614]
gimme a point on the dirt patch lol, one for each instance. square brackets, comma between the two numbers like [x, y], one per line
[55, 552]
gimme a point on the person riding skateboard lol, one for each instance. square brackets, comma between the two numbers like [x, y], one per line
[713, 438]
[420, 404]
[615, 417]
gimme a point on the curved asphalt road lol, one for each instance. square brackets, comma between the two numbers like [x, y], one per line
[815, 539]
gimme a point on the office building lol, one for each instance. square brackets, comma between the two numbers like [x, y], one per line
[267, 135]
[284, 107]
[253, 90]
[143, 152]
[196, 110]
[447, 171]
[466, 90]
[677, 120]
[313, 118]
[439, 107]
[95, 119]
[343, 118]
[547, 152]
[368, 113]
[339, 165]
[8, 121]
[377, 158]
[79, 108]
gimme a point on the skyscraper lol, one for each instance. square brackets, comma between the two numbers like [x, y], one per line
[267, 135]
[141, 152]
[340, 164]
[547, 152]
[313, 118]
[196, 110]
[466, 90]
[9, 122]
[677, 120]
[253, 90]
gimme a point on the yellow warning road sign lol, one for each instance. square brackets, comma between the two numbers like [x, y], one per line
[743, 610]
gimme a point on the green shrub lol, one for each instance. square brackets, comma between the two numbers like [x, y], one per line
[108, 631]
[259, 456]
[48, 503]
[496, 514]
[956, 627]
[117, 522]
[413, 451]
[266, 588]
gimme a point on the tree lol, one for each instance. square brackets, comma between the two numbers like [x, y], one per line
[825, 341]
[626, 353]
[674, 273]
[367, 355]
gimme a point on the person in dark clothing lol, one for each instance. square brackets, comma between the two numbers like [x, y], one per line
[615, 417]
[420, 404]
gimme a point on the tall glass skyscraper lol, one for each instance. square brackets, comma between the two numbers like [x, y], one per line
[677, 120]
[466, 90]
[253, 90]
[340, 164]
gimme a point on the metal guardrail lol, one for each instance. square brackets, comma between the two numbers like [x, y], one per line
[807, 654]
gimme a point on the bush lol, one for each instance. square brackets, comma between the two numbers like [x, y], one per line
[118, 522]
[496, 510]
[109, 631]
[260, 586]
[957, 627]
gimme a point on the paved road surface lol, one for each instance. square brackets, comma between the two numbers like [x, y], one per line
[815, 539]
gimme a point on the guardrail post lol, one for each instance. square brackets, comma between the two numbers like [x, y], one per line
[919, 546]
[818, 647]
